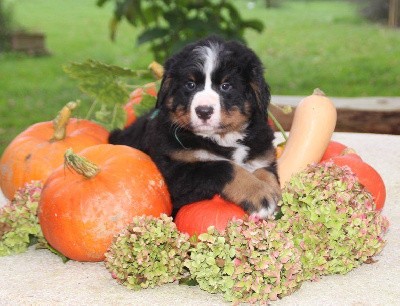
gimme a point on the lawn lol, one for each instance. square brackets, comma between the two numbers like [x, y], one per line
[306, 44]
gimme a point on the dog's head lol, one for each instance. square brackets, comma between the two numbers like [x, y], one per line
[213, 87]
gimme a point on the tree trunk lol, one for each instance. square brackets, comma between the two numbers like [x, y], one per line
[394, 13]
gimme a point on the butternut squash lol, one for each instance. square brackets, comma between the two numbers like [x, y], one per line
[313, 124]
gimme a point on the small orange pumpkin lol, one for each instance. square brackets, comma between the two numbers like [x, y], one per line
[38, 150]
[136, 97]
[367, 176]
[196, 218]
[83, 207]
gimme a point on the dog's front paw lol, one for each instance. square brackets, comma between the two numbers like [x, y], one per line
[263, 203]
[257, 195]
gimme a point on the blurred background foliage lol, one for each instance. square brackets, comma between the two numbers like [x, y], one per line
[168, 25]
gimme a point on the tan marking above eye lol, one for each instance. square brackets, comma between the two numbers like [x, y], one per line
[225, 79]
[191, 77]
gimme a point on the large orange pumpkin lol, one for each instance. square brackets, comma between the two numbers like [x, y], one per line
[196, 218]
[38, 150]
[82, 208]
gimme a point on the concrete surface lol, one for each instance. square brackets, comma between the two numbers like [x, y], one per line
[40, 278]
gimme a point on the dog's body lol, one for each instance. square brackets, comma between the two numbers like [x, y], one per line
[209, 134]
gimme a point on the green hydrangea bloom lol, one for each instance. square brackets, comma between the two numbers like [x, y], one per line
[251, 261]
[19, 224]
[147, 253]
[332, 219]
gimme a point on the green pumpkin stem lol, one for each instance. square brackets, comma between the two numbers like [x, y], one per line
[318, 92]
[61, 121]
[80, 164]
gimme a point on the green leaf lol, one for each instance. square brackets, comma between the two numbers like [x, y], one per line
[188, 281]
[33, 239]
[279, 215]
[100, 3]
[91, 67]
[45, 245]
[152, 34]
[233, 12]
[101, 81]
[151, 14]
[113, 28]
[133, 12]
[253, 24]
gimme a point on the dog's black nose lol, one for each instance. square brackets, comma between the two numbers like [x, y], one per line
[204, 112]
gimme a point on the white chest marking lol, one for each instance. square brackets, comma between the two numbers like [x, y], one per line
[239, 155]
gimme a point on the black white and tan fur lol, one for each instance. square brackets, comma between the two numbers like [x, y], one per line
[208, 133]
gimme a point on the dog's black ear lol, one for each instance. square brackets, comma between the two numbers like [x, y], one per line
[166, 82]
[164, 90]
[259, 89]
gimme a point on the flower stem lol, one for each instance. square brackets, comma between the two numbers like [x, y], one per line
[278, 125]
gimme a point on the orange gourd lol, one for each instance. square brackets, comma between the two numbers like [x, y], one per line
[91, 199]
[313, 124]
[38, 150]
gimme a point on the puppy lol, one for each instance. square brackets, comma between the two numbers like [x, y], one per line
[208, 133]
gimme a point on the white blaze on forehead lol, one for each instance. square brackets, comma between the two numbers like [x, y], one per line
[208, 61]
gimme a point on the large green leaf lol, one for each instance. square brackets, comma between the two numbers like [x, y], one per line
[101, 81]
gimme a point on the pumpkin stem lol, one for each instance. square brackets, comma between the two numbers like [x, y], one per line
[318, 92]
[80, 164]
[61, 121]
[157, 70]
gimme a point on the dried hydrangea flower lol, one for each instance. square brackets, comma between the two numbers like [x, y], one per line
[332, 219]
[148, 252]
[251, 261]
[19, 224]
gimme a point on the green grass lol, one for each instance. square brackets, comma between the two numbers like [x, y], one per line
[305, 45]
[34, 89]
[326, 44]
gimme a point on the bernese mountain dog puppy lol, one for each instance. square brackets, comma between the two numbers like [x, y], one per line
[208, 133]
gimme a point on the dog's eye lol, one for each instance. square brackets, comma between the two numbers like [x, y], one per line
[225, 87]
[190, 85]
